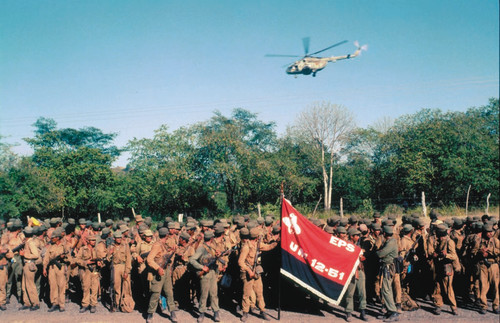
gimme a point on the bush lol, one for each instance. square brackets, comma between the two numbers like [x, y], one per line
[393, 209]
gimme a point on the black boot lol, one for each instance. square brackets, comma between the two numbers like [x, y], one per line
[348, 317]
[398, 307]
[23, 308]
[53, 308]
[244, 317]
[149, 318]
[173, 317]
[201, 318]
[216, 316]
[363, 316]
[35, 308]
[84, 309]
[393, 317]
[92, 309]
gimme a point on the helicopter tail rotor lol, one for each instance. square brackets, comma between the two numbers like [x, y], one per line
[360, 48]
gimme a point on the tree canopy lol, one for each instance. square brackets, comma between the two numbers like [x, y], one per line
[229, 164]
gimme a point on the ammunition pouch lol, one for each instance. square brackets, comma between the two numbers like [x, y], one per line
[398, 265]
[388, 270]
[448, 269]
[258, 271]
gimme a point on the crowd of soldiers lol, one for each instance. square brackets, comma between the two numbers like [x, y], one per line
[189, 265]
[402, 261]
[134, 267]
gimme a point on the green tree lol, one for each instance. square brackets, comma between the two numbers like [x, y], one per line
[232, 157]
[81, 161]
[440, 154]
[163, 175]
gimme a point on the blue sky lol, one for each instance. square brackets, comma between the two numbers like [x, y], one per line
[130, 66]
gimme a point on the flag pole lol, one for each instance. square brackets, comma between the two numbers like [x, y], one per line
[281, 256]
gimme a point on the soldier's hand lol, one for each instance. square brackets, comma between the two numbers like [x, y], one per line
[21, 252]
[45, 272]
[140, 260]
[125, 275]
[161, 271]
[206, 269]
[251, 274]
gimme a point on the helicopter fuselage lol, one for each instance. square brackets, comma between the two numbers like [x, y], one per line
[308, 65]
[311, 65]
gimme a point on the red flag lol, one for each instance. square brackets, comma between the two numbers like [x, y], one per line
[313, 258]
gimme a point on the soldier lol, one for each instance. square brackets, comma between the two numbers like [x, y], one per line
[342, 233]
[54, 267]
[143, 248]
[121, 260]
[487, 254]
[31, 255]
[181, 277]
[159, 260]
[5, 256]
[90, 259]
[357, 282]
[443, 252]
[250, 273]
[204, 261]
[387, 253]
[407, 253]
[379, 241]
[15, 238]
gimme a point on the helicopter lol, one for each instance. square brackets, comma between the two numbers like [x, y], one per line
[311, 65]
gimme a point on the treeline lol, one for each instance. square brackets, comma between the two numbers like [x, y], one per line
[230, 164]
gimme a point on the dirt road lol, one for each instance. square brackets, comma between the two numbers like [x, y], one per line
[306, 314]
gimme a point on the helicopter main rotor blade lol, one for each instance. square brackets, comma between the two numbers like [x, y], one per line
[337, 44]
[305, 43]
[277, 55]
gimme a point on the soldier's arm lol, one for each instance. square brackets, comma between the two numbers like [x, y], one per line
[386, 249]
[193, 260]
[46, 259]
[151, 257]
[268, 246]
[128, 260]
[451, 252]
[243, 257]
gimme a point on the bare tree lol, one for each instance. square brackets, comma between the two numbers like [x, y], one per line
[326, 127]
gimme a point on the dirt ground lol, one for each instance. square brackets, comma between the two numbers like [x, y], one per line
[307, 313]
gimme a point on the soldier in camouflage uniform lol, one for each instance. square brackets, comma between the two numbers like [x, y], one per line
[159, 260]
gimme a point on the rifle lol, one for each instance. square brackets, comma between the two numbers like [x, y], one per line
[411, 251]
[111, 289]
[257, 270]
[213, 260]
[165, 261]
[57, 260]
[16, 249]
